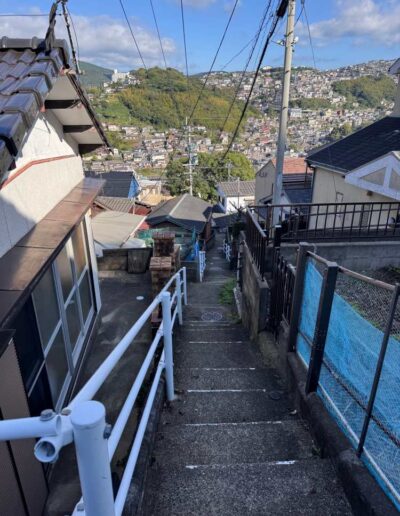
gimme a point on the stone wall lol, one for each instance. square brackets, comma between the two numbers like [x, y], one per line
[255, 295]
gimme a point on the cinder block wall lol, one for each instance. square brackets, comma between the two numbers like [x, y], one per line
[353, 255]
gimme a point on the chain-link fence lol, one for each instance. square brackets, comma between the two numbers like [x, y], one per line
[348, 336]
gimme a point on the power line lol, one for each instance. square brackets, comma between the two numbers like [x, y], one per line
[133, 35]
[158, 32]
[267, 41]
[67, 17]
[260, 28]
[215, 58]
[309, 32]
[184, 41]
[78, 51]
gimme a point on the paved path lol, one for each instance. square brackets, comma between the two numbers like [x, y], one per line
[231, 443]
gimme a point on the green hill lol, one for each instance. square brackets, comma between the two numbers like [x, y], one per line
[93, 75]
[367, 91]
[163, 98]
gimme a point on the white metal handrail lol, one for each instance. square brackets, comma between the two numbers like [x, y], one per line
[227, 250]
[83, 420]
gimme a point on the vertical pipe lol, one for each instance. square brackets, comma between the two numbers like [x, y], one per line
[167, 332]
[378, 371]
[88, 424]
[184, 285]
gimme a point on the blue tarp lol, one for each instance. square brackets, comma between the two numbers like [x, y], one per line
[351, 352]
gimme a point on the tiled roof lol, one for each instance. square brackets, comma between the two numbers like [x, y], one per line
[359, 148]
[293, 165]
[27, 75]
[117, 183]
[234, 188]
[115, 203]
[185, 211]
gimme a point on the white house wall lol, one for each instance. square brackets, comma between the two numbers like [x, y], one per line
[33, 189]
[380, 176]
[265, 178]
[331, 187]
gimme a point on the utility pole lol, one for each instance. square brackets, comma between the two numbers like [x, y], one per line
[229, 167]
[189, 144]
[282, 137]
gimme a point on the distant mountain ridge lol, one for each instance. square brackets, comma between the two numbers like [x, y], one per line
[163, 98]
[93, 75]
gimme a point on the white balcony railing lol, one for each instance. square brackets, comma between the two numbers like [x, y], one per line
[83, 421]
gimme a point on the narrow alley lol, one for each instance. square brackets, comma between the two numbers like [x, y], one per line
[232, 442]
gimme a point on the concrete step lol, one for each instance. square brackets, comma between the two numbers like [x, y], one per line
[205, 333]
[207, 312]
[228, 406]
[216, 354]
[304, 487]
[226, 378]
[232, 443]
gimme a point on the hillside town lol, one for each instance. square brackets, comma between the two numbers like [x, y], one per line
[148, 148]
[198, 316]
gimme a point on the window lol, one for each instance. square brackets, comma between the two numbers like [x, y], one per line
[60, 310]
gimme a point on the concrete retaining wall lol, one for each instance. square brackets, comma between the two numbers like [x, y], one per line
[353, 255]
[255, 296]
[132, 260]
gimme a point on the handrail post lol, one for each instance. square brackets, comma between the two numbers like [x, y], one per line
[184, 285]
[298, 293]
[378, 371]
[167, 333]
[88, 423]
[321, 327]
[179, 299]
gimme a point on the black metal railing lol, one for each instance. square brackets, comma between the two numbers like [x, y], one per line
[357, 383]
[329, 221]
[257, 241]
[283, 278]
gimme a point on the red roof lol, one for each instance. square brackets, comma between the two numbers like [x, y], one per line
[293, 165]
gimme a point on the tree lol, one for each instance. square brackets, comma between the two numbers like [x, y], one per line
[211, 170]
[340, 132]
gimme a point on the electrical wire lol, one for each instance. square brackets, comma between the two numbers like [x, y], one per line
[184, 41]
[67, 18]
[158, 32]
[215, 58]
[260, 28]
[132, 34]
[309, 33]
[266, 44]
[78, 50]
[174, 100]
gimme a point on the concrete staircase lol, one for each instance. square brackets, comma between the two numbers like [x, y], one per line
[231, 444]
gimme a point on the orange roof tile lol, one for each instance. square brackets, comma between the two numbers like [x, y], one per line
[293, 165]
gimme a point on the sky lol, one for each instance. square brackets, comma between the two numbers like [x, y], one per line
[342, 31]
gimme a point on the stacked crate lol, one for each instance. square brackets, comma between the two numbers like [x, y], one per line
[162, 265]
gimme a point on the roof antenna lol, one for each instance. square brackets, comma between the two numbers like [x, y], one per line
[71, 43]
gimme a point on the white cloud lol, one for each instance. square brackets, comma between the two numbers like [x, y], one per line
[103, 40]
[365, 21]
